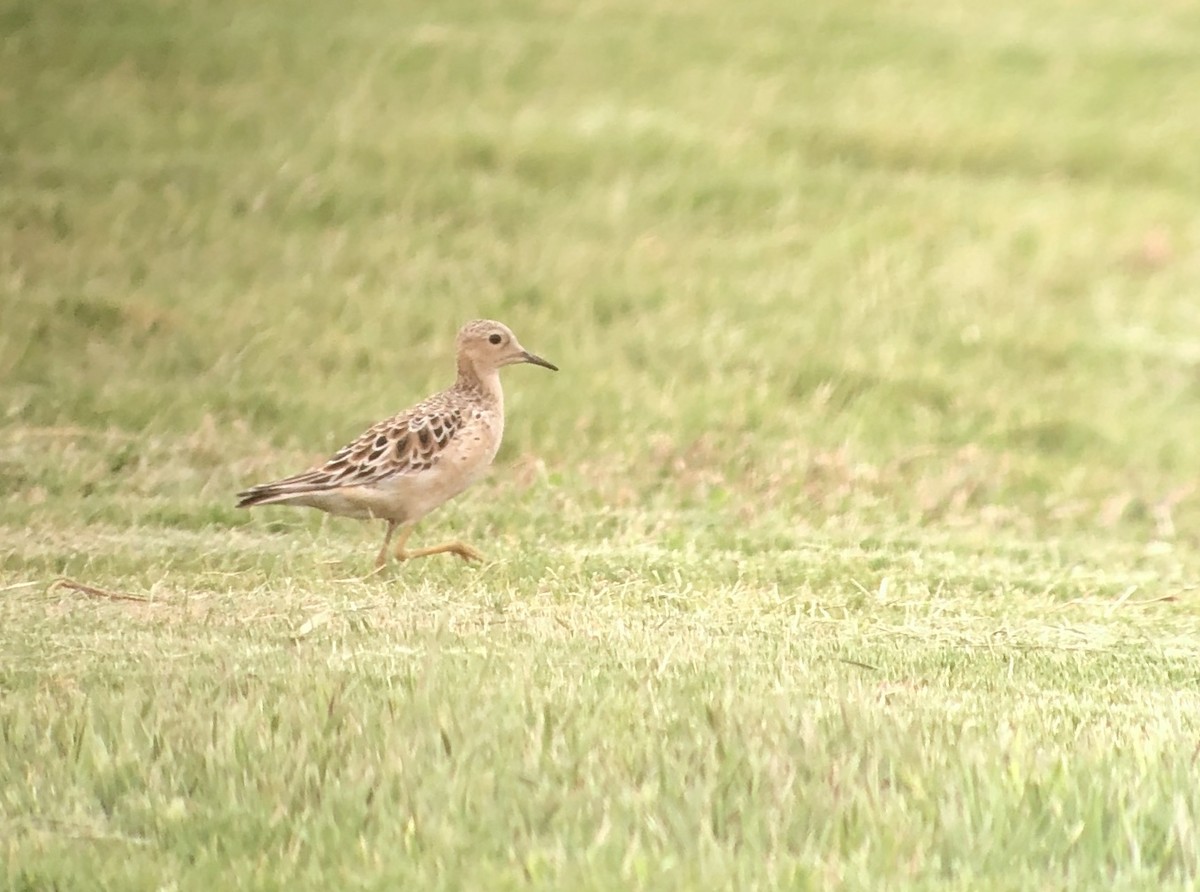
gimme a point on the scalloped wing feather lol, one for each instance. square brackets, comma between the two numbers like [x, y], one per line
[408, 443]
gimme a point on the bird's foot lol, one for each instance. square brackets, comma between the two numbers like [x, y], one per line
[462, 549]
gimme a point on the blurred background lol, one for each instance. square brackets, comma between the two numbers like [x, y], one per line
[862, 265]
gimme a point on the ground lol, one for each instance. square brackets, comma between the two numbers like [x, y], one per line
[855, 544]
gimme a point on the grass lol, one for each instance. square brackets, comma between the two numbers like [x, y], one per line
[855, 546]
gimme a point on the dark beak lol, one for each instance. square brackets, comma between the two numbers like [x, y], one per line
[537, 360]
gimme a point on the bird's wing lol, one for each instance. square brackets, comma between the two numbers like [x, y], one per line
[407, 443]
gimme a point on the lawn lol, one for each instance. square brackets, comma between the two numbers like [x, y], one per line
[854, 546]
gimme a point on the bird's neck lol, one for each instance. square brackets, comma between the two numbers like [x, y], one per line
[486, 385]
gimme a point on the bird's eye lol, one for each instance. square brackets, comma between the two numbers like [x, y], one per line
[495, 339]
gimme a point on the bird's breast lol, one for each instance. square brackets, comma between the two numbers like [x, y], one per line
[477, 444]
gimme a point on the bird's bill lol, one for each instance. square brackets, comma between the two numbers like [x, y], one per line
[533, 358]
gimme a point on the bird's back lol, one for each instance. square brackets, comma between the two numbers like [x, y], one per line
[402, 467]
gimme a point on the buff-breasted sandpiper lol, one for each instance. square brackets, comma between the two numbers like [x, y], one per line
[402, 468]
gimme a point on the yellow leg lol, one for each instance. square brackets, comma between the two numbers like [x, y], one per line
[381, 558]
[464, 551]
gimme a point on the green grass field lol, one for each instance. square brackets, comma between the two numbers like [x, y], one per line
[854, 546]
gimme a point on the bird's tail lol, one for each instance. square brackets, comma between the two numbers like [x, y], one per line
[283, 492]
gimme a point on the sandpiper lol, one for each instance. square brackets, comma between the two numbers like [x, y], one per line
[402, 468]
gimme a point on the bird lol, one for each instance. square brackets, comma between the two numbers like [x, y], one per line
[404, 467]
